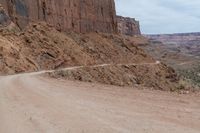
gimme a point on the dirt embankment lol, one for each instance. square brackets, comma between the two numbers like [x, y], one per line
[152, 75]
[41, 47]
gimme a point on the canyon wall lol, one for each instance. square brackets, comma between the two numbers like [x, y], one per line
[128, 26]
[77, 15]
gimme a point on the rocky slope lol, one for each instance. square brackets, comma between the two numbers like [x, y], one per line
[42, 47]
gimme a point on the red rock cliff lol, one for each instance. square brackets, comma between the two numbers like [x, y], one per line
[77, 15]
[128, 26]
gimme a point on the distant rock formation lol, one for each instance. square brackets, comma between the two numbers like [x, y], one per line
[189, 39]
[128, 26]
[77, 15]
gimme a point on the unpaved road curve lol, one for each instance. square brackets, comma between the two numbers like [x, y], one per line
[30, 103]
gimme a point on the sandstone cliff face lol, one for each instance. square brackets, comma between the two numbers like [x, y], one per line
[77, 15]
[128, 26]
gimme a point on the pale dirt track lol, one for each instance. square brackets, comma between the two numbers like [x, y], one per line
[30, 103]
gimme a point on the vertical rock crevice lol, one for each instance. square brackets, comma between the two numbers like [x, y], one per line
[44, 10]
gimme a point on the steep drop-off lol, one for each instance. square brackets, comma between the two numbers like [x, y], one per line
[181, 51]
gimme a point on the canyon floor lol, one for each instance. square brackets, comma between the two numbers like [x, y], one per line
[180, 51]
[31, 103]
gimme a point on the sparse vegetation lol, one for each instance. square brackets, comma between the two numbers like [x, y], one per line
[191, 74]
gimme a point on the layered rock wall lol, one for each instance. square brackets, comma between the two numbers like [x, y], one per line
[77, 15]
[128, 26]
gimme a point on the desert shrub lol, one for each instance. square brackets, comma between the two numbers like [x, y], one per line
[191, 74]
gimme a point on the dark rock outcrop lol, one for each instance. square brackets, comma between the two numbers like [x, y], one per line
[128, 26]
[4, 18]
[77, 15]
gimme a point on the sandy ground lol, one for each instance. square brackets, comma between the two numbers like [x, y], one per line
[35, 104]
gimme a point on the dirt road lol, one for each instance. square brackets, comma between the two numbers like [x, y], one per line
[30, 103]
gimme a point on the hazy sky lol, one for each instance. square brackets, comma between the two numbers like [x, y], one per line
[163, 16]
